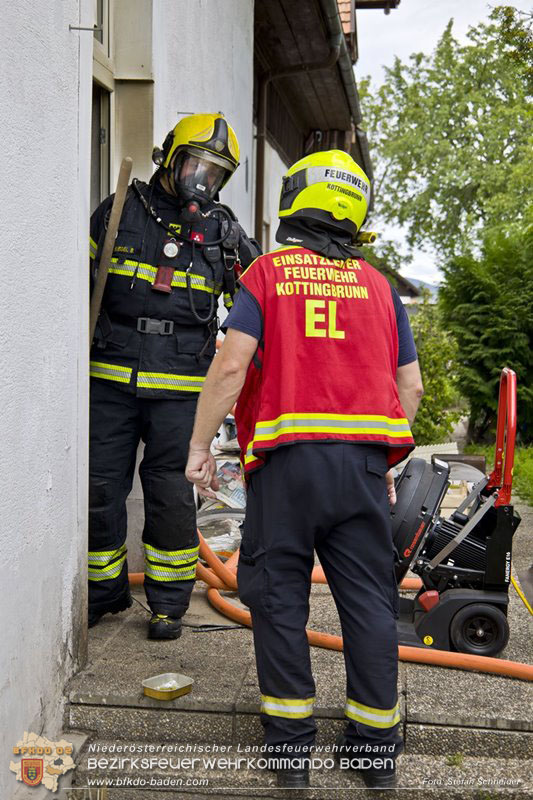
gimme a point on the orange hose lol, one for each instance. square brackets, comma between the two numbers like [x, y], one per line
[221, 571]
[440, 658]
[208, 576]
[204, 574]
[231, 563]
[318, 576]
[223, 576]
[411, 583]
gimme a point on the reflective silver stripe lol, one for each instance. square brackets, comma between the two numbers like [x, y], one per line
[144, 272]
[374, 717]
[266, 707]
[111, 372]
[147, 272]
[288, 708]
[197, 281]
[337, 175]
[105, 556]
[107, 573]
[323, 422]
[93, 247]
[249, 456]
[162, 380]
[167, 574]
[171, 556]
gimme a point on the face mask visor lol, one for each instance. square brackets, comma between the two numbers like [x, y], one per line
[198, 176]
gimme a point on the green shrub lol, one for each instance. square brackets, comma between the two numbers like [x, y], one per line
[523, 468]
[487, 304]
[437, 352]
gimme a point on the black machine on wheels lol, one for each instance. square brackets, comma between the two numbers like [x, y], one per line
[464, 561]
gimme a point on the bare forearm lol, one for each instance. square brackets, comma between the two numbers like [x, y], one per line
[410, 389]
[221, 390]
[410, 403]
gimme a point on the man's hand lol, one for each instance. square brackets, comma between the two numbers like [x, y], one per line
[201, 470]
[391, 489]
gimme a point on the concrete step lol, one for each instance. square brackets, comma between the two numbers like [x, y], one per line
[201, 775]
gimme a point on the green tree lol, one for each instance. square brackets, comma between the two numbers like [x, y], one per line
[516, 33]
[437, 356]
[487, 303]
[451, 136]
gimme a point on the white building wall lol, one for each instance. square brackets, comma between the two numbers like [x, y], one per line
[275, 169]
[45, 127]
[203, 62]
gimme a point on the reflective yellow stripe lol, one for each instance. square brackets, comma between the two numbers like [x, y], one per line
[187, 573]
[110, 372]
[374, 717]
[93, 247]
[374, 431]
[105, 556]
[146, 272]
[162, 380]
[374, 424]
[173, 557]
[290, 708]
[318, 422]
[249, 456]
[107, 573]
[228, 300]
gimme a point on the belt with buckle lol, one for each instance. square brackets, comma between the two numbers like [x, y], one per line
[164, 327]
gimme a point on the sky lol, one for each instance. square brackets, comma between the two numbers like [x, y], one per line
[415, 26]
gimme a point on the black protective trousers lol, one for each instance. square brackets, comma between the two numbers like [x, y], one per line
[332, 498]
[118, 421]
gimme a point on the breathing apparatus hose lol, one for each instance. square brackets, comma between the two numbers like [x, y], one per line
[212, 312]
[150, 210]
[222, 577]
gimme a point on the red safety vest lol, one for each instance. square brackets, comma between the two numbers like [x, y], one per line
[326, 368]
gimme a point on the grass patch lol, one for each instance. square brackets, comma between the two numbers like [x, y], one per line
[523, 468]
[455, 760]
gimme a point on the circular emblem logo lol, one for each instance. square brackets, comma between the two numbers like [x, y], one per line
[171, 249]
[428, 639]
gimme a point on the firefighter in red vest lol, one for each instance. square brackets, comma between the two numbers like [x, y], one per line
[321, 358]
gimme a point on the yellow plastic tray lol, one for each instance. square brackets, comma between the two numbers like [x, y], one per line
[152, 686]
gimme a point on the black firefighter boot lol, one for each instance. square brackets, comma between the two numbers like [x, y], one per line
[161, 626]
[296, 778]
[121, 604]
[373, 777]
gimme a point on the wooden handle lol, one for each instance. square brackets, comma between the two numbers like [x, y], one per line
[109, 242]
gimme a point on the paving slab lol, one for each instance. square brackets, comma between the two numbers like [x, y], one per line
[446, 740]
[121, 657]
[151, 724]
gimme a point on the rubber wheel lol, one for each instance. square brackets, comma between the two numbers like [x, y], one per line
[479, 629]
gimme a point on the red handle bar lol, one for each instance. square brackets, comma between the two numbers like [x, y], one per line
[505, 430]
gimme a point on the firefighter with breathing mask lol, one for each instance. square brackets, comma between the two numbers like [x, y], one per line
[177, 250]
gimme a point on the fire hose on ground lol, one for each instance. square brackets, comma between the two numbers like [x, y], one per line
[221, 576]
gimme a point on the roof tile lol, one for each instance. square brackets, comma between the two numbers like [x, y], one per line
[345, 15]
